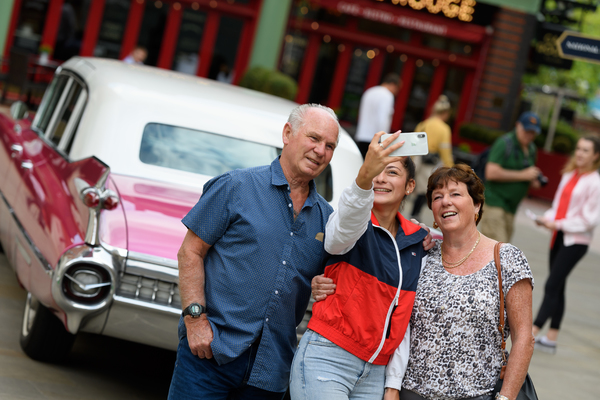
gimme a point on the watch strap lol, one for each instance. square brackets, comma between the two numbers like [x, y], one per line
[188, 310]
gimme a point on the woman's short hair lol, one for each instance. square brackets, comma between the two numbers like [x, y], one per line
[459, 173]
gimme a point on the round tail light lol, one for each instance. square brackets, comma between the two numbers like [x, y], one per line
[86, 283]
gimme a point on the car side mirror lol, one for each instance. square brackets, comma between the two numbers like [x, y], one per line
[18, 110]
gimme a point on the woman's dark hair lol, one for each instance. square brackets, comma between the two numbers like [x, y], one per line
[459, 173]
[411, 171]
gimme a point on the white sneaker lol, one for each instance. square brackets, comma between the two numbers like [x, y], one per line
[545, 345]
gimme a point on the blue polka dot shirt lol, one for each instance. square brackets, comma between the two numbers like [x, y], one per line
[259, 268]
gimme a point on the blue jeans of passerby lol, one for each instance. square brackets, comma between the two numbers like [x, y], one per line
[323, 370]
[195, 378]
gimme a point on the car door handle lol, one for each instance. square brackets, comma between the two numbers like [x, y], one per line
[27, 165]
[16, 150]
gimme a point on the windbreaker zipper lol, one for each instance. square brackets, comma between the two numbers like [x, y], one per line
[392, 308]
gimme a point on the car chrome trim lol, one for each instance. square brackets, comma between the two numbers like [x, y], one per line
[143, 304]
[150, 259]
[77, 312]
[45, 264]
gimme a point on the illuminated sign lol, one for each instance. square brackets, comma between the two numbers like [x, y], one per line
[390, 18]
[461, 9]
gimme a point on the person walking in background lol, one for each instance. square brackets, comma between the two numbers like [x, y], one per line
[376, 111]
[439, 141]
[509, 173]
[375, 260]
[137, 56]
[574, 214]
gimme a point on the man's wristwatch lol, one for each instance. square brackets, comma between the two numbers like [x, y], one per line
[194, 310]
[501, 397]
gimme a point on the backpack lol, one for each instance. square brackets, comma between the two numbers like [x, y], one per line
[481, 160]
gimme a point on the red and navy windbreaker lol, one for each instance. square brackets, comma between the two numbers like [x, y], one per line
[376, 283]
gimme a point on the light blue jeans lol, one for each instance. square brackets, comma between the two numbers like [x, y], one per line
[323, 370]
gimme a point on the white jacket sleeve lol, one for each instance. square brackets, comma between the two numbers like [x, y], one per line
[349, 222]
[396, 368]
[394, 371]
[587, 218]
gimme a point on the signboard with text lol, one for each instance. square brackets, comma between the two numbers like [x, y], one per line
[575, 46]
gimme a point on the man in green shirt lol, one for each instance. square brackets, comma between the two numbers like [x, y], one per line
[509, 173]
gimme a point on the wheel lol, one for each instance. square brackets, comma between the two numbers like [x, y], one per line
[43, 336]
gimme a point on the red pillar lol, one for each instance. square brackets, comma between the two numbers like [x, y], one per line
[437, 87]
[92, 28]
[308, 68]
[461, 109]
[52, 23]
[375, 69]
[12, 27]
[339, 79]
[167, 49]
[132, 30]
[244, 49]
[209, 37]
[408, 71]
[246, 43]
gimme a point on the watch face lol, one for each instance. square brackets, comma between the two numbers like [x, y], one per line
[195, 309]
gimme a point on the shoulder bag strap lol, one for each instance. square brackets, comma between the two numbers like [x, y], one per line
[501, 320]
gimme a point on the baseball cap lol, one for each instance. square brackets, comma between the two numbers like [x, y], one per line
[530, 122]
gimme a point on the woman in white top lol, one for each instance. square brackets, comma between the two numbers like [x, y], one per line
[574, 214]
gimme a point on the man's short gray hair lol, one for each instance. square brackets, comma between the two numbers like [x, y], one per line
[298, 115]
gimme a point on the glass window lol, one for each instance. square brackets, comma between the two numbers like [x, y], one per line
[355, 83]
[200, 152]
[49, 102]
[32, 17]
[73, 18]
[321, 86]
[112, 28]
[189, 40]
[293, 54]
[226, 48]
[450, 45]
[419, 94]
[210, 154]
[152, 29]
[66, 112]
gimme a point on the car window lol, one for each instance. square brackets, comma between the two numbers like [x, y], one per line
[69, 114]
[49, 102]
[210, 154]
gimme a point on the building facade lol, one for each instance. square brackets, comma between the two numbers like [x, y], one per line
[472, 51]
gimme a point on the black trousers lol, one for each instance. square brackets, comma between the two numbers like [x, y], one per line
[562, 261]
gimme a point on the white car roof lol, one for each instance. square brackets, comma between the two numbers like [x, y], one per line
[124, 98]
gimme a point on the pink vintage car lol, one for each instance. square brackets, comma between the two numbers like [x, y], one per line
[93, 189]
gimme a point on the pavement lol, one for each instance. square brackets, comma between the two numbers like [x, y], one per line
[106, 368]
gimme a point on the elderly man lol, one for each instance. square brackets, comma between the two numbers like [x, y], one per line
[509, 173]
[254, 242]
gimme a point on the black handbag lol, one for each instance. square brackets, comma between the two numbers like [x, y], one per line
[527, 391]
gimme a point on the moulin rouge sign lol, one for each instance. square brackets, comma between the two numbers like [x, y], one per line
[461, 9]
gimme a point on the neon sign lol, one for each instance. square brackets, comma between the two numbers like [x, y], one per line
[461, 9]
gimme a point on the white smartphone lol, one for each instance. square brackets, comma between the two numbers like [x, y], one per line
[415, 144]
[532, 215]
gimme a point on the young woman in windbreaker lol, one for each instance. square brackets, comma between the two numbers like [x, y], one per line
[375, 262]
[574, 214]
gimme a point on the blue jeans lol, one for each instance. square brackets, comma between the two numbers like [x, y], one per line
[323, 370]
[196, 378]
